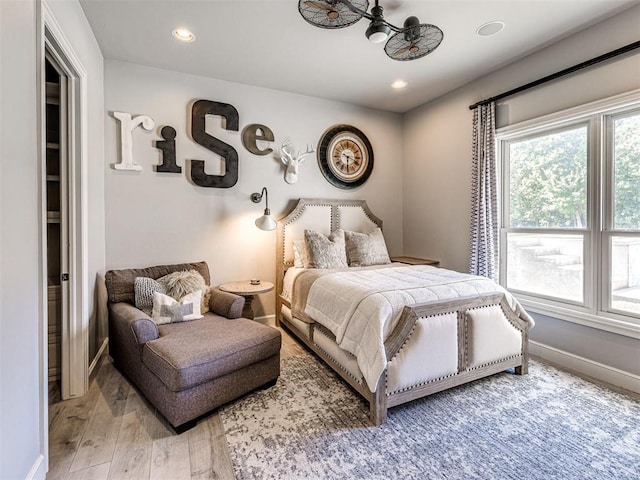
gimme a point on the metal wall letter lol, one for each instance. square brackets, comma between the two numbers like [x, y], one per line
[168, 149]
[127, 125]
[254, 132]
[199, 111]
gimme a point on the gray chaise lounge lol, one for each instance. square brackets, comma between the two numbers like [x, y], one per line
[187, 369]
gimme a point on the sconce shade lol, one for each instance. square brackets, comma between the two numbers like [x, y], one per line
[266, 221]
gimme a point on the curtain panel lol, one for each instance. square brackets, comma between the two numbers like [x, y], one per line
[484, 195]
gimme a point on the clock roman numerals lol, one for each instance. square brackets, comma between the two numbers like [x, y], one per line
[347, 157]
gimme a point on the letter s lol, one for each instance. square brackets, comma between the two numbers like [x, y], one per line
[199, 111]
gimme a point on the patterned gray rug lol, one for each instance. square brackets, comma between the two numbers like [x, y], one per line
[546, 425]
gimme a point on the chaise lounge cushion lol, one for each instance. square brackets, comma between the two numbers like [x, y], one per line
[184, 358]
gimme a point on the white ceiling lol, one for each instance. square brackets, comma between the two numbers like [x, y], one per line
[267, 43]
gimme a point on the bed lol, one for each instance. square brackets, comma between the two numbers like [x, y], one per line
[394, 332]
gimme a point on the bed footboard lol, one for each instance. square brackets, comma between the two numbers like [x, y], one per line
[441, 345]
[434, 347]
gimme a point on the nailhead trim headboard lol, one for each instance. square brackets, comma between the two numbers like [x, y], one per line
[323, 215]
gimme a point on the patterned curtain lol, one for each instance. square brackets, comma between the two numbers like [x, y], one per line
[484, 195]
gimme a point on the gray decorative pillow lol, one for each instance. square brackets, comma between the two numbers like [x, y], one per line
[365, 249]
[143, 289]
[325, 252]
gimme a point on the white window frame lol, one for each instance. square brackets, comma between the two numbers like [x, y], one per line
[594, 311]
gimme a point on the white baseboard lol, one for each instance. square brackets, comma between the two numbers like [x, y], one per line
[38, 470]
[596, 370]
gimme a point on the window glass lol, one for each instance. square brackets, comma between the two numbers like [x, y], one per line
[548, 181]
[546, 264]
[625, 274]
[626, 154]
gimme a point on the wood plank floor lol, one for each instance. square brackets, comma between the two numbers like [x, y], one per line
[112, 432]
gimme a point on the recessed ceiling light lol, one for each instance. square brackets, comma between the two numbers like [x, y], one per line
[183, 35]
[398, 84]
[490, 28]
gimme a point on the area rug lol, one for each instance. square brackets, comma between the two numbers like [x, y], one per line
[545, 425]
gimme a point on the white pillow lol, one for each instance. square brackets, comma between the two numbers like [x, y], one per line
[299, 254]
[169, 310]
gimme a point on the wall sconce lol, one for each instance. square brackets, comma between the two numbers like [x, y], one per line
[266, 221]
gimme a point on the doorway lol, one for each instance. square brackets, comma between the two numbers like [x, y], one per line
[64, 196]
[57, 221]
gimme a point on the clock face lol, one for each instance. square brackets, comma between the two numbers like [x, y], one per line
[345, 156]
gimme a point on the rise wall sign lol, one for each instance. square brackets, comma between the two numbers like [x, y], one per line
[199, 111]
[345, 155]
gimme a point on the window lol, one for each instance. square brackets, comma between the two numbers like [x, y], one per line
[622, 235]
[570, 219]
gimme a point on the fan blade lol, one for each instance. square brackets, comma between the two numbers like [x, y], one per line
[318, 5]
[404, 49]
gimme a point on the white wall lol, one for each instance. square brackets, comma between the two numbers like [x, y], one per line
[23, 391]
[20, 294]
[437, 164]
[154, 218]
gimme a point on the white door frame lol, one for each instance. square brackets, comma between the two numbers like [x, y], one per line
[75, 350]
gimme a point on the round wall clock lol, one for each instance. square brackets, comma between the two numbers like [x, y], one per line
[345, 156]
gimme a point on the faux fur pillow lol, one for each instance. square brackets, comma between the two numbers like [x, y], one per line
[169, 310]
[365, 249]
[179, 284]
[325, 252]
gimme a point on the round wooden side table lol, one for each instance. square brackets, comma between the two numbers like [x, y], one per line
[248, 291]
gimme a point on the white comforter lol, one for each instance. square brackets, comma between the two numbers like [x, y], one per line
[361, 308]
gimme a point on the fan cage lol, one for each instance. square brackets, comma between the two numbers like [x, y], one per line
[425, 37]
[318, 13]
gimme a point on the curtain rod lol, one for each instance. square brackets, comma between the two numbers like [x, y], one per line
[562, 73]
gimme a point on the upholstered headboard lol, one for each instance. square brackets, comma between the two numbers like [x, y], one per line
[321, 215]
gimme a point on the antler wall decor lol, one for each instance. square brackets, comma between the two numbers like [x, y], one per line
[292, 159]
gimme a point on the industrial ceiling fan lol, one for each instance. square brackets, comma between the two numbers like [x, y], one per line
[414, 40]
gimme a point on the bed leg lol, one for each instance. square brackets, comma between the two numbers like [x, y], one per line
[377, 413]
[522, 369]
[378, 403]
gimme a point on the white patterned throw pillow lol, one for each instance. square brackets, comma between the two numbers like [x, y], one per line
[170, 310]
